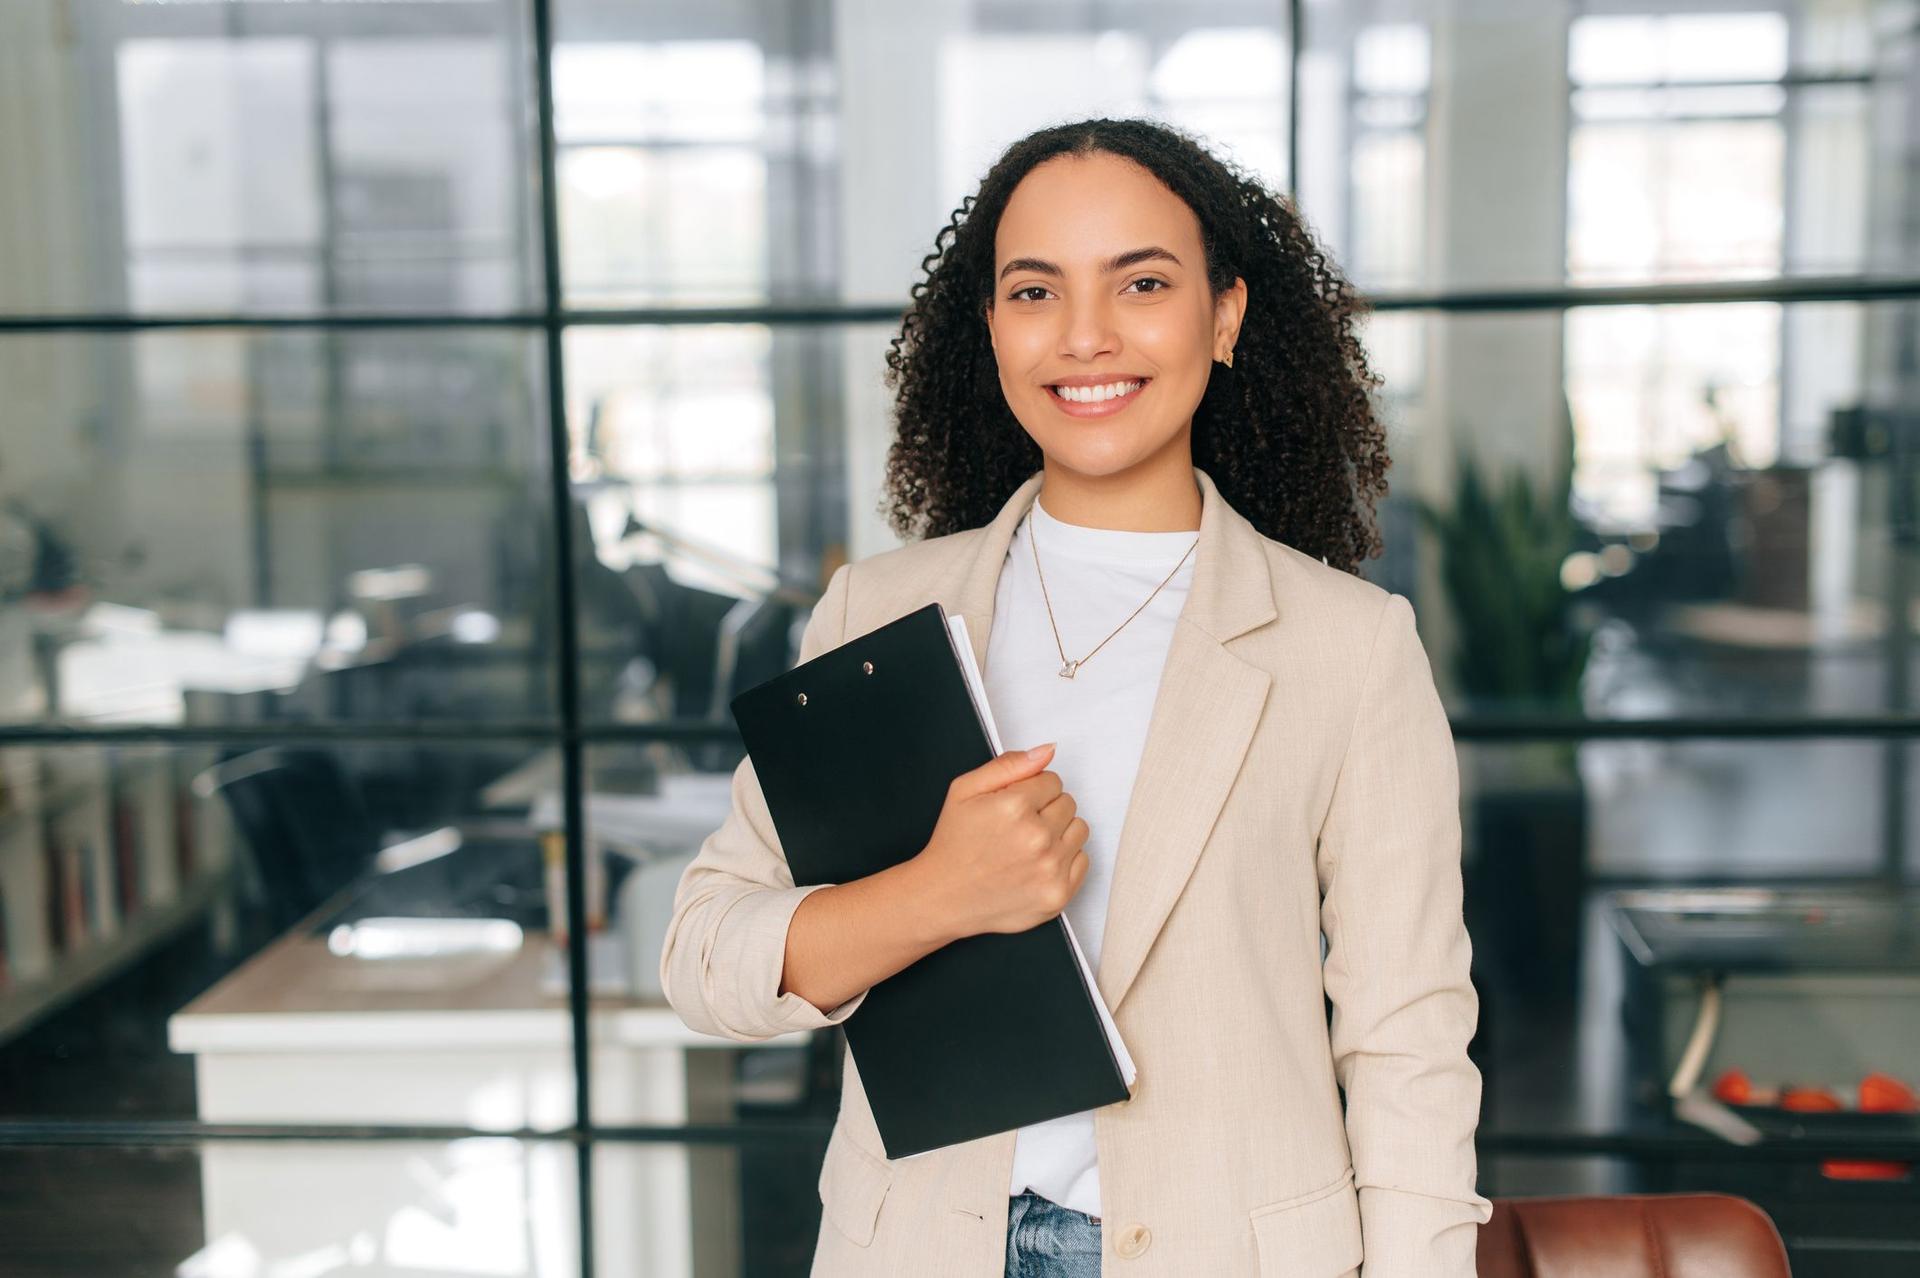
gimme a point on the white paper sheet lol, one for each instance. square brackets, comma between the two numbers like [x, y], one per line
[964, 647]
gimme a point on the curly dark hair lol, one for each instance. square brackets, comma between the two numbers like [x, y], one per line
[1288, 435]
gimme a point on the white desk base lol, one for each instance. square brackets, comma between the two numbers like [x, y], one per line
[298, 1035]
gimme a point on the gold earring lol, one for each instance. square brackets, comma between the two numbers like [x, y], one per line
[1227, 359]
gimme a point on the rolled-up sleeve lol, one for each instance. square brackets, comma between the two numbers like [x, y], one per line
[726, 943]
[1396, 970]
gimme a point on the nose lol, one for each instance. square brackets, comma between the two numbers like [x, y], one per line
[1089, 330]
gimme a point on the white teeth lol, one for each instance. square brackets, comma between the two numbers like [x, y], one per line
[1095, 394]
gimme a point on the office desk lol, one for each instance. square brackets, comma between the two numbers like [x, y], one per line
[300, 1035]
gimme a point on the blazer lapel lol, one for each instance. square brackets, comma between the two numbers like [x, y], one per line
[1203, 721]
[1201, 725]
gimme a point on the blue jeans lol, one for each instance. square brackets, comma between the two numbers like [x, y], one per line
[1047, 1240]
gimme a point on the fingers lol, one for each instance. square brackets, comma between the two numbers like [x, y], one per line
[1057, 813]
[1035, 792]
[1001, 771]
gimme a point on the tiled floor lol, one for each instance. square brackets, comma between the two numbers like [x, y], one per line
[98, 1213]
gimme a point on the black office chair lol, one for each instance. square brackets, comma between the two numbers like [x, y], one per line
[306, 831]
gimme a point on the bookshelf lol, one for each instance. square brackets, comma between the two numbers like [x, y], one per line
[105, 852]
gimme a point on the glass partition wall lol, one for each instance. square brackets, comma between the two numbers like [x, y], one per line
[421, 418]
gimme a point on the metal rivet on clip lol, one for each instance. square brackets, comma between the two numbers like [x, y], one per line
[803, 698]
[867, 666]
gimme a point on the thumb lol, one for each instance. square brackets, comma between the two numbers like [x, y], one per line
[1005, 769]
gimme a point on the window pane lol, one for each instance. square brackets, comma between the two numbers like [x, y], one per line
[713, 461]
[347, 933]
[482, 1207]
[1600, 148]
[1724, 542]
[297, 159]
[222, 526]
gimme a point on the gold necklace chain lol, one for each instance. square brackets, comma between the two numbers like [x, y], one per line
[1067, 668]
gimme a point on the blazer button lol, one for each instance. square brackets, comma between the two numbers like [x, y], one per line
[1132, 1241]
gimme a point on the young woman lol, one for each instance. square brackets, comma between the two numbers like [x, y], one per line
[1136, 451]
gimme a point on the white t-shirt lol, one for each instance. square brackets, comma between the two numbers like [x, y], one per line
[1095, 578]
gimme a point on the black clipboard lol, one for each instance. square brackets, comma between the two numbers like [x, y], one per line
[854, 750]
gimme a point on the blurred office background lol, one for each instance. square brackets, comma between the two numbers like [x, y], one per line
[417, 419]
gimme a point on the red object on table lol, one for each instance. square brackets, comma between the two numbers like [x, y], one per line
[1733, 1087]
[1878, 1094]
[1813, 1100]
[1885, 1094]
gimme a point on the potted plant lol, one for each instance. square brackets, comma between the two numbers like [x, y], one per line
[1519, 647]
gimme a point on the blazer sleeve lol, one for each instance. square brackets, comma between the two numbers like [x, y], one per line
[1396, 968]
[726, 943]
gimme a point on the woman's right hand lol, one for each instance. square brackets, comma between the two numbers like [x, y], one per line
[1006, 854]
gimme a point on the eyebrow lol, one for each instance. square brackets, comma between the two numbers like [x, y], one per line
[1119, 262]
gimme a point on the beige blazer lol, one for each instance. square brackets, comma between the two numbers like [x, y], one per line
[1298, 777]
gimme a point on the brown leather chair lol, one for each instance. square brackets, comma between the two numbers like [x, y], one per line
[1631, 1236]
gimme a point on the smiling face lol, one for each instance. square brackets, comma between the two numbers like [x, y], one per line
[1102, 323]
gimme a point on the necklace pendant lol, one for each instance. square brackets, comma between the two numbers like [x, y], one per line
[1066, 671]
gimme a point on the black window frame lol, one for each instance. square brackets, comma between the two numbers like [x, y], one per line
[571, 734]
